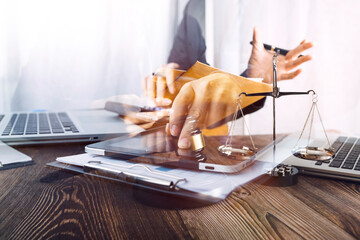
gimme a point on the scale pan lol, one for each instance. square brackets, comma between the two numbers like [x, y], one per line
[236, 152]
[313, 153]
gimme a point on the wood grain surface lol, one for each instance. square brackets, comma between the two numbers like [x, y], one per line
[38, 202]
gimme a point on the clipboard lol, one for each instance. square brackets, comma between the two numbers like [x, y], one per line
[185, 183]
[154, 184]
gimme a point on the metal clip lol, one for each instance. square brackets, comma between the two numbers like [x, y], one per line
[120, 171]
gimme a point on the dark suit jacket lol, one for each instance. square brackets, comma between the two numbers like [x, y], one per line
[189, 44]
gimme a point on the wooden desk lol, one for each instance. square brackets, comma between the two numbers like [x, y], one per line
[82, 207]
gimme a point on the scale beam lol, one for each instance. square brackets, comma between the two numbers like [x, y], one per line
[271, 94]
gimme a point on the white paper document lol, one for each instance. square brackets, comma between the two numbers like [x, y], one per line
[217, 185]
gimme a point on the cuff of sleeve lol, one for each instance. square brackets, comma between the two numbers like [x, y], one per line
[244, 74]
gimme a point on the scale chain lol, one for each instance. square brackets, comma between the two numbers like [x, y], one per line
[238, 107]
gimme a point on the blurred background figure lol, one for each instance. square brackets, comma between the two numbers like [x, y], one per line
[66, 54]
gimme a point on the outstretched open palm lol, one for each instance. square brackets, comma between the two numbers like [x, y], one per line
[260, 62]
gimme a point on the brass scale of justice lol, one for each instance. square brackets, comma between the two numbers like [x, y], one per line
[305, 152]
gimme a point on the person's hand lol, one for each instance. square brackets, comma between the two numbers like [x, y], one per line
[202, 103]
[260, 62]
[147, 120]
[164, 85]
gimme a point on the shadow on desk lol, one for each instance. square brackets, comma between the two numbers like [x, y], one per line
[167, 201]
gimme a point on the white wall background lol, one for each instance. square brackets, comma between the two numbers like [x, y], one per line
[64, 54]
[334, 72]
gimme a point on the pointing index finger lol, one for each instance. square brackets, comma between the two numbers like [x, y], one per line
[180, 109]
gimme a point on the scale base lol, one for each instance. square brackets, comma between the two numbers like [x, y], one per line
[280, 176]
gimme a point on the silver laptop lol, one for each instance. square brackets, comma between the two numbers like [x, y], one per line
[21, 128]
[344, 165]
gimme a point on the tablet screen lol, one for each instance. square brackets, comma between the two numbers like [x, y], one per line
[157, 147]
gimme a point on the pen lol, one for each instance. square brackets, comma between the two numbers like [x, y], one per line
[159, 74]
[275, 49]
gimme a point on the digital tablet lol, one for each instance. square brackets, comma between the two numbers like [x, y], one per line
[156, 147]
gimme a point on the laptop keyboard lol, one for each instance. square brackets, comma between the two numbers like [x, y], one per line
[39, 123]
[347, 151]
